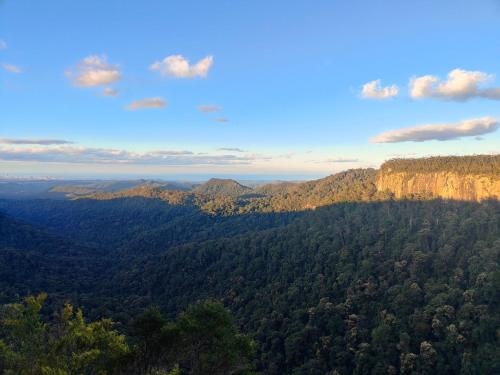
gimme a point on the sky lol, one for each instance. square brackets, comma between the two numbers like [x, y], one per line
[274, 89]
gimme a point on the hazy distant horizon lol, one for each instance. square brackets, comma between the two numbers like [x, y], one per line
[166, 178]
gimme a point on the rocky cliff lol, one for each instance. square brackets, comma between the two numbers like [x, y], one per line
[424, 177]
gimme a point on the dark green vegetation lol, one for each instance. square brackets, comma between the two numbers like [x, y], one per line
[326, 277]
[34, 260]
[203, 340]
[479, 164]
[357, 288]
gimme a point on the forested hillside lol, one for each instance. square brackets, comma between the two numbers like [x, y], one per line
[353, 288]
[228, 197]
[488, 165]
[459, 177]
[32, 261]
[324, 277]
[202, 340]
[222, 187]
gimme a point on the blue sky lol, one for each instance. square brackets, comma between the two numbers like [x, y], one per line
[286, 77]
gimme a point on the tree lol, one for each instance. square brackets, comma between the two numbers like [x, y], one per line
[29, 345]
[211, 341]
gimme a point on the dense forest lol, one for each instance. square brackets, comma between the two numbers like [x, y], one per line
[353, 288]
[488, 165]
[322, 277]
[202, 340]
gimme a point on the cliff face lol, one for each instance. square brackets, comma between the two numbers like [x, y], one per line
[449, 185]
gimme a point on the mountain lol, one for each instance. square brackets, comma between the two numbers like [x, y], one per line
[216, 187]
[155, 191]
[470, 178]
[341, 275]
[107, 188]
[352, 185]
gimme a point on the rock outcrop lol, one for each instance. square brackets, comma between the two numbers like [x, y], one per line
[448, 185]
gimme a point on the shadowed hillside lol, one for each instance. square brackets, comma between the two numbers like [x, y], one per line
[327, 276]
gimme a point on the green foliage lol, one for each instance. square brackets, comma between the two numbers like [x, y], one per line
[392, 286]
[30, 345]
[204, 340]
[325, 277]
[217, 187]
[210, 343]
[228, 197]
[488, 165]
[354, 185]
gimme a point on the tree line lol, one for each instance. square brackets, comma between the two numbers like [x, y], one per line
[202, 340]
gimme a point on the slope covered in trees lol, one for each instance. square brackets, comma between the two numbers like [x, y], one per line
[353, 185]
[222, 187]
[488, 165]
[326, 277]
[32, 261]
[228, 197]
[392, 286]
[136, 225]
[353, 288]
[203, 341]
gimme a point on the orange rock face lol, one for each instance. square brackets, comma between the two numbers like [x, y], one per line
[448, 185]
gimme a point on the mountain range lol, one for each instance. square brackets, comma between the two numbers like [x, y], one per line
[366, 271]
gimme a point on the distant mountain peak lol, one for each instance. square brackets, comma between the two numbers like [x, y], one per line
[220, 186]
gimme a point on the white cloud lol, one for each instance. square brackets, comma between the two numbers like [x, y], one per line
[109, 91]
[221, 119]
[11, 68]
[461, 85]
[373, 90]
[209, 108]
[179, 67]
[439, 132]
[147, 103]
[94, 71]
[45, 142]
[87, 155]
[3, 44]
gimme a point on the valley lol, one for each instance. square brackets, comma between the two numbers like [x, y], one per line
[381, 271]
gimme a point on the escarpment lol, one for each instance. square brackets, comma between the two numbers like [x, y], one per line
[472, 178]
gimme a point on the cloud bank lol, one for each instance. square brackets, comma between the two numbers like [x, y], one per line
[45, 142]
[87, 155]
[374, 90]
[147, 103]
[3, 44]
[179, 67]
[461, 85]
[93, 71]
[439, 132]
